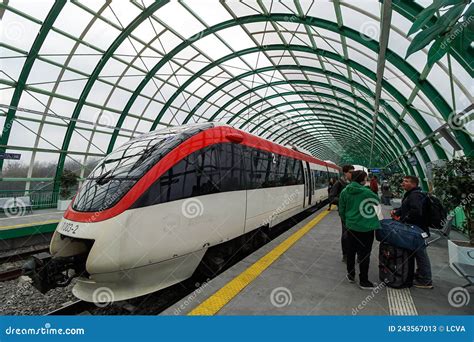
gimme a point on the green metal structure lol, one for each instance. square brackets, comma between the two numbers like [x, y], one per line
[79, 78]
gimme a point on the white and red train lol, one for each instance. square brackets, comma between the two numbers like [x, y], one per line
[145, 217]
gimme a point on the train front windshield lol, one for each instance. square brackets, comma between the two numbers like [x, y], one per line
[115, 175]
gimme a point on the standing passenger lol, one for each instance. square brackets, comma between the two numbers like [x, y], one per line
[356, 209]
[334, 199]
[330, 185]
[411, 212]
[386, 193]
[374, 185]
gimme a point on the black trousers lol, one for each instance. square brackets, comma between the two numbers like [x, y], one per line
[344, 239]
[359, 243]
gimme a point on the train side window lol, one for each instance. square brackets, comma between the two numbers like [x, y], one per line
[299, 172]
[207, 172]
[232, 167]
[260, 168]
[274, 178]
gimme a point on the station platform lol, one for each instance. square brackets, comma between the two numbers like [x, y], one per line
[301, 273]
[28, 229]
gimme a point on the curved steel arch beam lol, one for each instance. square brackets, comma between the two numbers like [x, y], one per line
[419, 169]
[396, 60]
[329, 104]
[440, 152]
[328, 119]
[335, 116]
[339, 124]
[240, 53]
[414, 113]
[25, 72]
[93, 77]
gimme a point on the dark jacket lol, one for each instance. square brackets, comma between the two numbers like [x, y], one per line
[336, 190]
[411, 210]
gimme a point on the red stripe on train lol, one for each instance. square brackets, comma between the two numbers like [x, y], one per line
[208, 137]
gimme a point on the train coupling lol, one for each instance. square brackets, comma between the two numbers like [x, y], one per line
[48, 272]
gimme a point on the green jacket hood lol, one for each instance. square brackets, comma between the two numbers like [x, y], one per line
[355, 188]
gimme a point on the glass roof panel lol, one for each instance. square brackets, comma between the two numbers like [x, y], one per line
[140, 75]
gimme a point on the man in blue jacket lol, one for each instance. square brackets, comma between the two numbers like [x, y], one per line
[411, 212]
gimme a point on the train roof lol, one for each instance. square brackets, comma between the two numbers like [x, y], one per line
[192, 129]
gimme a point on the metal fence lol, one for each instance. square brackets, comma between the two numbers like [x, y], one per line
[40, 199]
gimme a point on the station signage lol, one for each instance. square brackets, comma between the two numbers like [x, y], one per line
[15, 156]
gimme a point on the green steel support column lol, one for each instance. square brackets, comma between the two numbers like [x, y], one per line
[25, 71]
[93, 78]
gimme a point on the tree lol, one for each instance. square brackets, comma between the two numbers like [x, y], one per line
[453, 184]
[68, 180]
[454, 24]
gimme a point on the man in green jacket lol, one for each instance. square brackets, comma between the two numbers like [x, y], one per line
[357, 208]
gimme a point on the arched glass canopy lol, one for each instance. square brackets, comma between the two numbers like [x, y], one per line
[79, 78]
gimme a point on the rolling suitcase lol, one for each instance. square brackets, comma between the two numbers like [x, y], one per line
[396, 266]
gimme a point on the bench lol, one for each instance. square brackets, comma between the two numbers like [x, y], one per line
[443, 232]
[17, 203]
[467, 271]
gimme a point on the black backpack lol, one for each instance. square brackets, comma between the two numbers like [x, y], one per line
[434, 212]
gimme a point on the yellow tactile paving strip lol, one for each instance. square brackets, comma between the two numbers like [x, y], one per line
[224, 295]
[29, 224]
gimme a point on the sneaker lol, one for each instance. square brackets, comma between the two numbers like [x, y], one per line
[419, 285]
[344, 259]
[350, 278]
[366, 285]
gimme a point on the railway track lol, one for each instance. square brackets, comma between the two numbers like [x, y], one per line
[11, 274]
[13, 256]
[78, 307]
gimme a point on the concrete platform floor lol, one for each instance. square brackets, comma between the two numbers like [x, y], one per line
[309, 279]
[38, 217]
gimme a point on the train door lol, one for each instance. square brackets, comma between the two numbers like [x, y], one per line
[308, 185]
